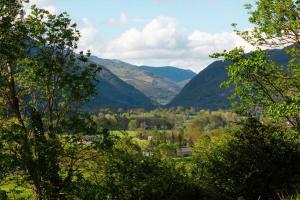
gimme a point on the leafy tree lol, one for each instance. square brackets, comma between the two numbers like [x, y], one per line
[277, 23]
[125, 173]
[43, 85]
[13, 34]
[256, 161]
[206, 122]
[260, 160]
[262, 87]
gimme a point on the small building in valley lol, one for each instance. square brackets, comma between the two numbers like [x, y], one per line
[184, 151]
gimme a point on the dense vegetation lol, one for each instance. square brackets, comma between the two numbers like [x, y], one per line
[51, 149]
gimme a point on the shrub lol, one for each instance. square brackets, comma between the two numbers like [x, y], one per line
[256, 161]
[127, 174]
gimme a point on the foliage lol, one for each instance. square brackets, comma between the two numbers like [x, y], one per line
[290, 197]
[206, 122]
[50, 145]
[161, 119]
[128, 174]
[276, 23]
[260, 86]
[3, 195]
[259, 161]
[43, 85]
[256, 161]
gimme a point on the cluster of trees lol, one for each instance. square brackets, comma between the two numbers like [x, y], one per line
[209, 123]
[44, 83]
[167, 128]
[158, 119]
[187, 133]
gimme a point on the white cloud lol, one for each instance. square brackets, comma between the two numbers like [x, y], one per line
[121, 20]
[45, 4]
[88, 34]
[160, 38]
[163, 41]
[203, 43]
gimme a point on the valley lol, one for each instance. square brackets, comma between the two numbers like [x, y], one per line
[167, 86]
[75, 125]
[159, 87]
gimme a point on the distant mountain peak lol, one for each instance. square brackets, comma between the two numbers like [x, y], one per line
[160, 87]
[174, 74]
[115, 93]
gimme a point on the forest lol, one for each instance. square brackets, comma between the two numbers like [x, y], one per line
[52, 147]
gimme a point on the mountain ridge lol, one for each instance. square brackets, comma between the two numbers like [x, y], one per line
[204, 92]
[157, 88]
[115, 93]
[175, 74]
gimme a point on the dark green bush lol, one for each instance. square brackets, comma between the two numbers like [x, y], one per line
[140, 177]
[3, 195]
[256, 161]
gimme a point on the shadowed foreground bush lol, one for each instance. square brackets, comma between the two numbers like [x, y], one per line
[125, 173]
[257, 161]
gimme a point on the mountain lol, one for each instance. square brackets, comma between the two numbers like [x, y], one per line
[155, 87]
[115, 93]
[203, 91]
[174, 74]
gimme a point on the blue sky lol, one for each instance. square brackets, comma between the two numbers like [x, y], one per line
[181, 33]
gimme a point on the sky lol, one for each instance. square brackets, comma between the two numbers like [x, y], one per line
[180, 33]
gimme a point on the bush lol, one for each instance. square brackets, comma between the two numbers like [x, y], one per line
[257, 161]
[3, 195]
[128, 174]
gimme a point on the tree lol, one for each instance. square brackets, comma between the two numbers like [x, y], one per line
[261, 159]
[256, 161]
[277, 23]
[125, 173]
[132, 125]
[261, 86]
[43, 85]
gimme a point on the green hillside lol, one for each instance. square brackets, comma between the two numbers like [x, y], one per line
[204, 92]
[155, 87]
[115, 93]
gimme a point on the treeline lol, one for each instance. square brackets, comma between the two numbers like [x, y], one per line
[158, 119]
[176, 127]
